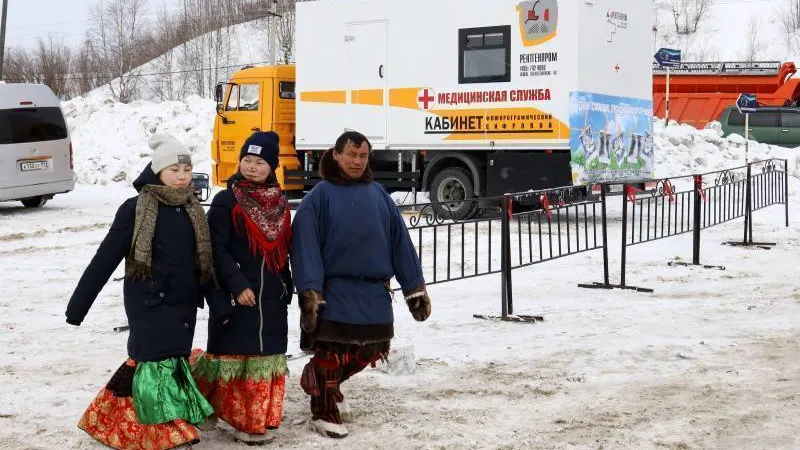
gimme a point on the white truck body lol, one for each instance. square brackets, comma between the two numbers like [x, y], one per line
[471, 75]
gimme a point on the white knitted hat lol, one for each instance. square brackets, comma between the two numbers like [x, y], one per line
[167, 151]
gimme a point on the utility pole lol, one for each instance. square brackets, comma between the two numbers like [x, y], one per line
[273, 14]
[3, 37]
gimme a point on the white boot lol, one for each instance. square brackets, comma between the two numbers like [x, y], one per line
[328, 429]
[345, 413]
[248, 438]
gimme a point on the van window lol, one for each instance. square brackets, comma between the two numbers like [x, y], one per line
[759, 119]
[24, 125]
[484, 55]
[790, 119]
[764, 119]
[244, 97]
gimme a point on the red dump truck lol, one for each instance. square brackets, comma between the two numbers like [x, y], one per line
[700, 91]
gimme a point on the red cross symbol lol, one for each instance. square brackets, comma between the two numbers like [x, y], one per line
[426, 98]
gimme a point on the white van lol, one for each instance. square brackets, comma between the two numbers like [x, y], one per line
[35, 147]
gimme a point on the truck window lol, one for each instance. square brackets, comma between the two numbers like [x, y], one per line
[24, 125]
[286, 90]
[244, 97]
[790, 119]
[484, 55]
[233, 99]
[249, 94]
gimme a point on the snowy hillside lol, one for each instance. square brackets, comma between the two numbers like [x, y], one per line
[726, 34]
[199, 64]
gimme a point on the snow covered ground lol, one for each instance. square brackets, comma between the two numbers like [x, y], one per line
[710, 360]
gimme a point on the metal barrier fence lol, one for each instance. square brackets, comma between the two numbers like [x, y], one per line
[568, 222]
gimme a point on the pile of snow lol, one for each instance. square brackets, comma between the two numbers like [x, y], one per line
[685, 150]
[110, 139]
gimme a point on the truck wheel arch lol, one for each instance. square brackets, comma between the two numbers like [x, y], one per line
[439, 163]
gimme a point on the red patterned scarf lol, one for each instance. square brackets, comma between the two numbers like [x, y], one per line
[264, 211]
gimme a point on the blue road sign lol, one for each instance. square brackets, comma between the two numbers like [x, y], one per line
[668, 57]
[747, 103]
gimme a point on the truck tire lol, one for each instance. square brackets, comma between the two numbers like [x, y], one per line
[453, 194]
[34, 202]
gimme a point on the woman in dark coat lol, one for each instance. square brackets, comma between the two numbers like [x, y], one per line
[243, 373]
[152, 401]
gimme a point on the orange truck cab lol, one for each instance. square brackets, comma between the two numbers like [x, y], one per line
[256, 98]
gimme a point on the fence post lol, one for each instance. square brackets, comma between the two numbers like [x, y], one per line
[507, 244]
[698, 198]
[625, 193]
[505, 269]
[606, 278]
[786, 188]
[748, 213]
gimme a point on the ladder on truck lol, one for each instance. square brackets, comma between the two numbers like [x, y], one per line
[760, 68]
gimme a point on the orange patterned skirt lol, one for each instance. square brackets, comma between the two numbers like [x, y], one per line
[247, 392]
[111, 420]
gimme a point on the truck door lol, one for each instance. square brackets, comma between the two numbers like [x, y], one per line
[789, 133]
[242, 116]
[367, 77]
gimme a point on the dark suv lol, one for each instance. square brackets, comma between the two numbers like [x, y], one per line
[769, 125]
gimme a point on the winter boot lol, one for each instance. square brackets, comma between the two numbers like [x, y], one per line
[253, 439]
[328, 429]
[345, 413]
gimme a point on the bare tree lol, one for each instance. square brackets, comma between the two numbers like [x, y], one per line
[285, 30]
[789, 18]
[115, 33]
[19, 66]
[688, 14]
[753, 45]
[48, 63]
[52, 63]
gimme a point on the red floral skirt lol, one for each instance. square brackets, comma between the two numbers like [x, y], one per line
[111, 420]
[247, 392]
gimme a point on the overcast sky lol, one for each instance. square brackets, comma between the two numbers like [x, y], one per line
[64, 19]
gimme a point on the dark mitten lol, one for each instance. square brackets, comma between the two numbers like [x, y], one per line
[310, 303]
[419, 303]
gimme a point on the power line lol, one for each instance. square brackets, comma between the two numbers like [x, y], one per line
[244, 16]
[85, 77]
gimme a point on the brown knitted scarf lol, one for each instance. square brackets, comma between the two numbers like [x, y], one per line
[139, 261]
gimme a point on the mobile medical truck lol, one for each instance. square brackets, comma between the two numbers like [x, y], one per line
[461, 98]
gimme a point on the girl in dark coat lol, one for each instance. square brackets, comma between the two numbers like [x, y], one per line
[243, 373]
[152, 401]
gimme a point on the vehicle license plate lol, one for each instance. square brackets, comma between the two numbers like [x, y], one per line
[32, 166]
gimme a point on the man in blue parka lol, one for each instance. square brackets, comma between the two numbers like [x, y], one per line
[349, 240]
